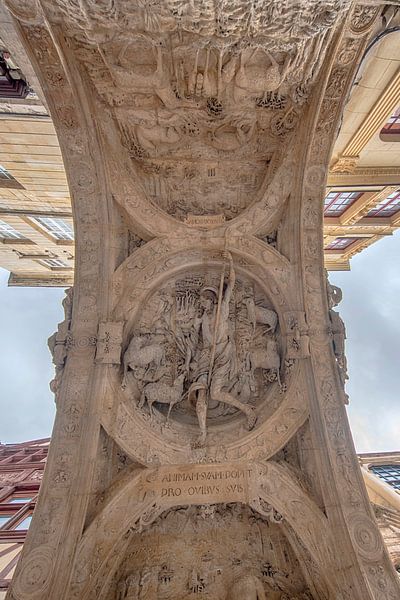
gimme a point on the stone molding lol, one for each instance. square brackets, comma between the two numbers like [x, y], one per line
[384, 107]
[364, 176]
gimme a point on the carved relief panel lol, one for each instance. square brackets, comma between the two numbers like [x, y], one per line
[204, 97]
[231, 553]
[211, 357]
[204, 332]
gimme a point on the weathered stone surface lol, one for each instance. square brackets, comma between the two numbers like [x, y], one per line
[205, 372]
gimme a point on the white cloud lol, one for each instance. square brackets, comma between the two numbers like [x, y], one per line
[28, 316]
[370, 309]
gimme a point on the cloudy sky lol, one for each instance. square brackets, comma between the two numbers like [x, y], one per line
[371, 311]
[28, 316]
[370, 308]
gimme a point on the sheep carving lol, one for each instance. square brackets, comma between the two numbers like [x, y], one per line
[163, 393]
[267, 317]
[262, 315]
[266, 358]
[139, 356]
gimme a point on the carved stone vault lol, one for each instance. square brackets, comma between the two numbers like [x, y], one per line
[201, 445]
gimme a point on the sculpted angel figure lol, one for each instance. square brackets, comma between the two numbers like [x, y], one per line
[214, 364]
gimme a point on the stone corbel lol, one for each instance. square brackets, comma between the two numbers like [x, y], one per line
[109, 342]
[345, 164]
[296, 331]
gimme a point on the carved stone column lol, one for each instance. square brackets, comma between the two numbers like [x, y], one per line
[201, 444]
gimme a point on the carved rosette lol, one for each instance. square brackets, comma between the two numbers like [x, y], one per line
[35, 575]
[366, 537]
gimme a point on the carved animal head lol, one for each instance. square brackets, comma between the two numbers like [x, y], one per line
[180, 379]
[137, 341]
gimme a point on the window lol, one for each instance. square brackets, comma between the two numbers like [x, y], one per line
[12, 81]
[341, 243]
[57, 228]
[54, 263]
[4, 519]
[6, 179]
[17, 500]
[24, 524]
[337, 202]
[4, 174]
[389, 473]
[387, 207]
[8, 232]
[390, 132]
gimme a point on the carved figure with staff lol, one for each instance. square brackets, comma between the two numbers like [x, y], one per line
[215, 364]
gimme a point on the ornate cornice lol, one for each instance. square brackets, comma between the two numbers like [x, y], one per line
[363, 176]
[367, 202]
[347, 161]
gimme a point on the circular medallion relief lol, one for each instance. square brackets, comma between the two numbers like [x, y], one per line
[34, 576]
[204, 354]
[366, 537]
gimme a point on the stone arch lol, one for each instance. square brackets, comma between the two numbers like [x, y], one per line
[137, 501]
[68, 487]
[329, 423]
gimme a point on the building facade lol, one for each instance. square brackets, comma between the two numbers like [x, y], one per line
[363, 197]
[381, 472]
[21, 472]
[36, 228]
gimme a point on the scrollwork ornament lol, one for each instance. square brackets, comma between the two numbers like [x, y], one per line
[348, 51]
[336, 83]
[55, 77]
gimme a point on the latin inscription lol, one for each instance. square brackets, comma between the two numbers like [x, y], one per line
[205, 221]
[199, 484]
